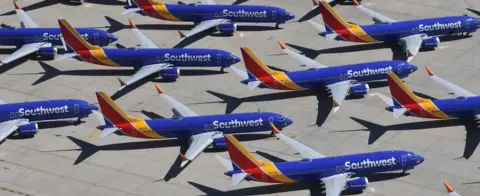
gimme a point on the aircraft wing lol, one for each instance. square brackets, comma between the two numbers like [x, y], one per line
[198, 143]
[412, 44]
[209, 2]
[377, 17]
[304, 151]
[450, 190]
[334, 184]
[458, 91]
[310, 63]
[27, 22]
[339, 91]
[8, 127]
[145, 71]
[24, 51]
[144, 41]
[178, 108]
[204, 25]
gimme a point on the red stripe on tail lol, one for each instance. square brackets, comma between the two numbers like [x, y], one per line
[72, 37]
[238, 154]
[399, 91]
[253, 64]
[110, 110]
[330, 17]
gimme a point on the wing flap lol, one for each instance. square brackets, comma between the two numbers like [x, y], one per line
[334, 184]
[198, 143]
[339, 91]
[412, 45]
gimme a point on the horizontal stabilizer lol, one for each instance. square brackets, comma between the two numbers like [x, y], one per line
[331, 36]
[241, 73]
[253, 85]
[397, 112]
[237, 178]
[106, 132]
[66, 56]
[320, 27]
[384, 98]
[131, 10]
[225, 163]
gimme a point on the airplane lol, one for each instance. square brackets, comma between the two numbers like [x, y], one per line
[32, 38]
[412, 35]
[20, 118]
[200, 131]
[148, 59]
[450, 190]
[405, 102]
[208, 14]
[338, 80]
[338, 173]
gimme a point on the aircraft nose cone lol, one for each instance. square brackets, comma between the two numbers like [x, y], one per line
[291, 16]
[113, 38]
[236, 59]
[413, 69]
[94, 107]
[420, 160]
[288, 121]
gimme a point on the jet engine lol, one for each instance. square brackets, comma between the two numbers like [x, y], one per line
[171, 74]
[430, 42]
[357, 184]
[47, 52]
[359, 90]
[29, 129]
[219, 143]
[227, 28]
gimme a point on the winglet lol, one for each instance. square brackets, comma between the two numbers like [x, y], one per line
[182, 35]
[132, 25]
[315, 3]
[17, 7]
[122, 83]
[448, 187]
[355, 2]
[429, 71]
[282, 45]
[274, 129]
[184, 159]
[159, 90]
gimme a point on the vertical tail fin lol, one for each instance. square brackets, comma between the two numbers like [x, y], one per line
[255, 67]
[333, 21]
[111, 111]
[401, 94]
[72, 38]
[239, 155]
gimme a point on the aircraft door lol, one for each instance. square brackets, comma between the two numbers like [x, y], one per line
[274, 14]
[399, 69]
[95, 37]
[338, 169]
[76, 108]
[219, 59]
[404, 160]
[468, 24]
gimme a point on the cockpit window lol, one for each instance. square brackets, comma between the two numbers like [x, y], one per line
[230, 56]
[281, 118]
[477, 20]
[283, 13]
[408, 65]
[413, 157]
[87, 106]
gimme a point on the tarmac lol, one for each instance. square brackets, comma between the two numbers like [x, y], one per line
[66, 159]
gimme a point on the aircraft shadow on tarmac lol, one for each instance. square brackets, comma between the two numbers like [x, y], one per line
[314, 188]
[48, 3]
[52, 72]
[377, 130]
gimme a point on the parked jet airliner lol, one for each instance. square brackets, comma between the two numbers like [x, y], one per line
[147, 60]
[200, 131]
[32, 38]
[22, 117]
[338, 173]
[338, 80]
[404, 101]
[412, 34]
[208, 14]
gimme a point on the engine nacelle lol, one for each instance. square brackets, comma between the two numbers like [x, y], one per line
[357, 184]
[29, 129]
[227, 28]
[430, 42]
[47, 52]
[171, 74]
[219, 143]
[359, 90]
